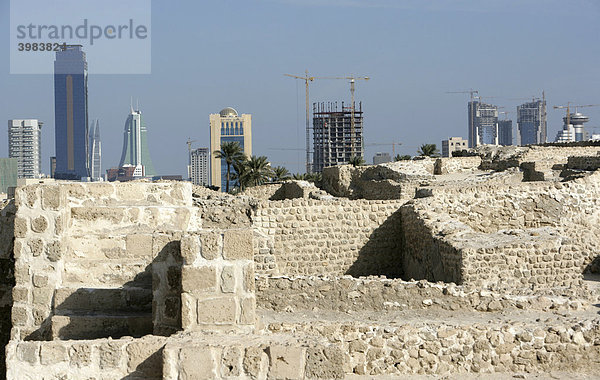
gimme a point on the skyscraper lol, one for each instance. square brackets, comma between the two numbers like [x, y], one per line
[333, 141]
[573, 128]
[95, 153]
[24, 144]
[227, 126]
[531, 121]
[199, 172]
[135, 146]
[71, 113]
[483, 124]
[505, 132]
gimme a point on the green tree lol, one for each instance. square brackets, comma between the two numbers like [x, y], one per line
[356, 161]
[257, 172]
[299, 176]
[428, 150]
[240, 168]
[404, 157]
[280, 174]
[230, 152]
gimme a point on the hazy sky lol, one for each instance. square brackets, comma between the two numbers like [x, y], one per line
[207, 55]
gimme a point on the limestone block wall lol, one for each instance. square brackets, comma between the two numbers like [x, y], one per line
[97, 235]
[86, 359]
[573, 208]
[453, 348]
[7, 277]
[344, 294]
[217, 280]
[335, 237]
[584, 162]
[449, 165]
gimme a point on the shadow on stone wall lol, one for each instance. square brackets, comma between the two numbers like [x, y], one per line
[382, 254]
[7, 277]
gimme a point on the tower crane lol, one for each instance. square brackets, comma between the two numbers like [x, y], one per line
[352, 80]
[306, 79]
[568, 108]
[393, 144]
[470, 91]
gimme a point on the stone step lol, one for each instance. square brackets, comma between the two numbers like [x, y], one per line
[69, 301]
[98, 273]
[97, 326]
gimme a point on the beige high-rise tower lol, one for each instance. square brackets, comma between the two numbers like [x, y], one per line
[227, 126]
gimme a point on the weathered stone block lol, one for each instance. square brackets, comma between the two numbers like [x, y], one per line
[221, 310]
[80, 355]
[145, 357]
[21, 227]
[39, 224]
[197, 363]
[20, 294]
[53, 352]
[198, 279]
[19, 316]
[231, 364]
[237, 245]
[138, 245]
[40, 280]
[248, 310]
[54, 251]
[29, 352]
[110, 355]
[228, 279]
[210, 245]
[36, 246]
[255, 362]
[52, 199]
[190, 248]
[248, 273]
[189, 314]
[327, 363]
[286, 362]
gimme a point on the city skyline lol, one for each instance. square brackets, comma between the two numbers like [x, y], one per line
[413, 54]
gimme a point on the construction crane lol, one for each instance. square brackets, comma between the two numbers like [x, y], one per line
[352, 80]
[470, 91]
[306, 79]
[393, 144]
[568, 108]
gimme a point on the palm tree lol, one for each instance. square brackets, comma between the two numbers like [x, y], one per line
[356, 161]
[280, 174]
[299, 176]
[240, 168]
[404, 157]
[428, 150]
[230, 152]
[258, 171]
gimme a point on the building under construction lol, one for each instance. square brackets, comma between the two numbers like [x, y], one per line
[531, 119]
[483, 124]
[337, 134]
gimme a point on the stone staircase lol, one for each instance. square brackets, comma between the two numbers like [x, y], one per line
[93, 313]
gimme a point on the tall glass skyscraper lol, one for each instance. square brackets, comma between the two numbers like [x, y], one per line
[135, 146]
[71, 113]
[531, 119]
[483, 124]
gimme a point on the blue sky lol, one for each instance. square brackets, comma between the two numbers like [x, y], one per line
[207, 55]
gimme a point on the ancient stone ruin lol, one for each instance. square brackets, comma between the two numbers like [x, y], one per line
[470, 265]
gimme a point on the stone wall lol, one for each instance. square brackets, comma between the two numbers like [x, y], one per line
[332, 237]
[7, 278]
[449, 165]
[584, 162]
[73, 238]
[451, 348]
[348, 294]
[87, 359]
